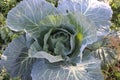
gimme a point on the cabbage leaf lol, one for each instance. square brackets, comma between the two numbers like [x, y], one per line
[87, 70]
[98, 12]
[17, 62]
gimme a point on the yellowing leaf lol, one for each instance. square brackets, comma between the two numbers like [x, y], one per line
[80, 36]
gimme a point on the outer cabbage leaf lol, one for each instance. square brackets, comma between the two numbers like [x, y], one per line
[15, 58]
[27, 15]
[106, 55]
[100, 50]
[98, 12]
[87, 70]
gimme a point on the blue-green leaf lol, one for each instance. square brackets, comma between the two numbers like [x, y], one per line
[87, 70]
[98, 12]
[15, 58]
[102, 51]
[28, 13]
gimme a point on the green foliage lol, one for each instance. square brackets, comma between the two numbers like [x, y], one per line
[54, 2]
[115, 4]
[112, 72]
[6, 35]
[4, 75]
[6, 5]
[2, 19]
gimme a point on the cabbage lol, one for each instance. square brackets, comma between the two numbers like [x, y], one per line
[54, 39]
